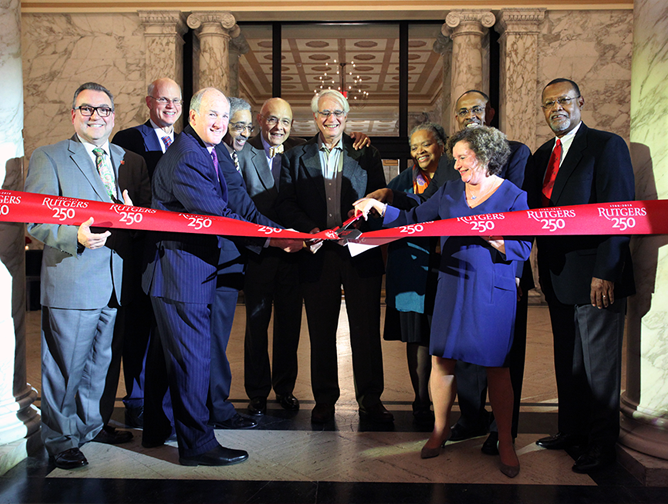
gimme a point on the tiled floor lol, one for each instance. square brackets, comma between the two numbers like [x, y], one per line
[293, 461]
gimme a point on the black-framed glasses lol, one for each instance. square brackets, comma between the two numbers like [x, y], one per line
[87, 110]
[164, 101]
[241, 126]
[562, 101]
[336, 113]
[477, 111]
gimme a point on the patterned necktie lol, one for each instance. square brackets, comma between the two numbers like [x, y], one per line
[167, 141]
[551, 173]
[235, 158]
[214, 157]
[105, 171]
[275, 150]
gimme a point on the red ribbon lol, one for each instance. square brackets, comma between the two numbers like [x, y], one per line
[621, 218]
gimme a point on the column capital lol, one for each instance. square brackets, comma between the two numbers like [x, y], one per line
[216, 22]
[520, 21]
[442, 44]
[163, 22]
[467, 22]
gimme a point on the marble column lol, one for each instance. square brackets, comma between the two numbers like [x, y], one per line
[238, 46]
[466, 28]
[519, 30]
[214, 31]
[443, 46]
[163, 38]
[645, 401]
[19, 421]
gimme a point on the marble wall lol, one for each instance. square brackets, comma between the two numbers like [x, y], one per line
[62, 51]
[594, 49]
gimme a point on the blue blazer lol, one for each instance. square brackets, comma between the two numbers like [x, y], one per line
[142, 140]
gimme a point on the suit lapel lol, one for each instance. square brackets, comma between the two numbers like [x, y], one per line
[151, 142]
[83, 161]
[570, 162]
[259, 160]
[352, 171]
[311, 162]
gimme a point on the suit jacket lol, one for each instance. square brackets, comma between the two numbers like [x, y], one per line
[74, 277]
[597, 169]
[301, 202]
[141, 140]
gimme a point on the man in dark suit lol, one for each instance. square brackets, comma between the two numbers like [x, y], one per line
[82, 274]
[585, 279]
[181, 274]
[271, 277]
[319, 183]
[150, 140]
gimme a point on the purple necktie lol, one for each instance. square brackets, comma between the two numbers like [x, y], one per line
[214, 157]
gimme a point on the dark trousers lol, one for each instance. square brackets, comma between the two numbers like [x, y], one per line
[322, 300]
[185, 334]
[472, 379]
[588, 363]
[271, 280]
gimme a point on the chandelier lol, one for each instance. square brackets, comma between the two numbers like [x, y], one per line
[349, 83]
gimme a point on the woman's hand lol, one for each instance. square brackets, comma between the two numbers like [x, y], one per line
[366, 205]
[497, 242]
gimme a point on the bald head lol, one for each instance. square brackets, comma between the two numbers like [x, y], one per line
[163, 99]
[472, 108]
[275, 120]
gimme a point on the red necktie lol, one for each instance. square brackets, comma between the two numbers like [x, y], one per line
[551, 173]
[167, 141]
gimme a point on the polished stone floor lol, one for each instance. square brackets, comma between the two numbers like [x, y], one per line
[292, 460]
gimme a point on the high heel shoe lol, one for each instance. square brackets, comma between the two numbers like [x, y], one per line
[431, 452]
[510, 471]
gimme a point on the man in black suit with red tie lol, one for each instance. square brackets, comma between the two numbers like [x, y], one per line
[585, 279]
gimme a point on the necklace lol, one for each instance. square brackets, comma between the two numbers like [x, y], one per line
[474, 197]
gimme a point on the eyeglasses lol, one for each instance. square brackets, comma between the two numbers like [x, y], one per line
[336, 113]
[164, 101]
[562, 101]
[87, 110]
[273, 121]
[477, 110]
[239, 127]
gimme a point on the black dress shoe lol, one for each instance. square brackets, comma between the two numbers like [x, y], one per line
[595, 457]
[257, 406]
[134, 416]
[70, 459]
[236, 422]
[460, 433]
[491, 444]
[561, 441]
[288, 402]
[376, 414]
[109, 435]
[219, 456]
[322, 413]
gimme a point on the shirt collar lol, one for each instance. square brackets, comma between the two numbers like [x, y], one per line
[161, 132]
[89, 146]
[321, 144]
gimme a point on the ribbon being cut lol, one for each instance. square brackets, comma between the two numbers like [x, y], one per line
[623, 218]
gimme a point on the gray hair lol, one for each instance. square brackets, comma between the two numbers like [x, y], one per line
[436, 129]
[237, 104]
[332, 93]
[489, 145]
[92, 86]
[196, 100]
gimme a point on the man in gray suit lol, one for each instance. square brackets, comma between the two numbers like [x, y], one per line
[82, 271]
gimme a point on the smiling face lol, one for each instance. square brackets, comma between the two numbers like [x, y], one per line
[210, 122]
[239, 129]
[562, 118]
[470, 169]
[425, 150]
[93, 129]
[470, 109]
[331, 127]
[162, 109]
[275, 119]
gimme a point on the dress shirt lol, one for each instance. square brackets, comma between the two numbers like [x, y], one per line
[331, 162]
[89, 149]
[274, 163]
[566, 142]
[160, 133]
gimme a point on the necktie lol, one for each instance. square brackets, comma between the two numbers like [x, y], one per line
[275, 150]
[105, 171]
[214, 157]
[235, 158]
[551, 173]
[167, 141]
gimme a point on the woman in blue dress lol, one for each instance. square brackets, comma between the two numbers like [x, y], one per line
[475, 302]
